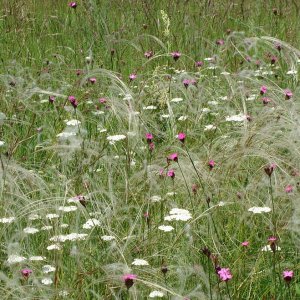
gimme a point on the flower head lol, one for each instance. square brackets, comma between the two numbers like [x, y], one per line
[73, 101]
[181, 137]
[288, 94]
[26, 272]
[171, 173]
[129, 280]
[269, 169]
[266, 100]
[92, 80]
[220, 42]
[263, 90]
[274, 59]
[72, 4]
[278, 46]
[175, 55]
[289, 188]
[148, 54]
[199, 64]
[245, 244]
[173, 156]
[102, 100]
[211, 164]
[224, 274]
[149, 137]
[287, 275]
[51, 99]
[132, 76]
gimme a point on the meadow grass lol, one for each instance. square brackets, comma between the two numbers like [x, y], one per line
[101, 197]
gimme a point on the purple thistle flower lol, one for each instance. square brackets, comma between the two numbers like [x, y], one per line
[224, 274]
[129, 280]
[175, 55]
[72, 4]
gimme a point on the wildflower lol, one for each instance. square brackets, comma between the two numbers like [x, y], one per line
[73, 101]
[129, 280]
[263, 90]
[107, 238]
[166, 228]
[269, 169]
[289, 188]
[176, 100]
[266, 100]
[7, 220]
[209, 127]
[236, 118]
[37, 258]
[181, 137]
[259, 210]
[186, 82]
[269, 248]
[182, 118]
[115, 138]
[102, 100]
[155, 198]
[178, 214]
[13, 259]
[67, 208]
[156, 294]
[140, 262]
[173, 156]
[148, 54]
[48, 269]
[288, 276]
[151, 147]
[30, 230]
[51, 99]
[149, 137]
[78, 72]
[199, 64]
[26, 272]
[274, 59]
[72, 4]
[91, 223]
[288, 94]
[150, 107]
[175, 55]
[224, 274]
[73, 122]
[245, 244]
[47, 281]
[92, 80]
[52, 216]
[211, 164]
[132, 77]
[248, 58]
[278, 46]
[220, 42]
[272, 240]
[171, 173]
[54, 247]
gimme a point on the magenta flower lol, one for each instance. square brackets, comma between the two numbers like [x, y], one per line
[73, 101]
[92, 80]
[148, 54]
[161, 172]
[175, 55]
[211, 164]
[266, 100]
[132, 76]
[269, 169]
[102, 100]
[288, 275]
[288, 94]
[173, 156]
[273, 59]
[272, 239]
[26, 272]
[186, 82]
[149, 137]
[51, 99]
[224, 274]
[289, 189]
[220, 42]
[171, 173]
[181, 137]
[129, 280]
[245, 244]
[72, 4]
[263, 90]
[199, 64]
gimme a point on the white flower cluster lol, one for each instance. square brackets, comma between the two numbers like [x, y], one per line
[69, 237]
[178, 214]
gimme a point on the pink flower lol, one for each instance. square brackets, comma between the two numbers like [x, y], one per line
[51, 99]
[92, 80]
[220, 42]
[273, 59]
[72, 4]
[245, 244]
[266, 100]
[194, 188]
[199, 64]
[149, 137]
[269, 169]
[73, 101]
[151, 147]
[288, 275]
[161, 172]
[173, 156]
[175, 55]
[186, 82]
[181, 137]
[288, 94]
[129, 280]
[148, 54]
[102, 100]
[278, 46]
[171, 173]
[224, 274]
[272, 239]
[263, 90]
[132, 77]
[248, 58]
[289, 188]
[26, 272]
[211, 164]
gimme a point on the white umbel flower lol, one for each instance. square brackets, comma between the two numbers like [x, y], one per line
[155, 198]
[47, 281]
[166, 228]
[65, 134]
[7, 220]
[140, 262]
[37, 258]
[91, 223]
[156, 294]
[259, 210]
[30, 230]
[182, 118]
[209, 127]
[178, 214]
[107, 238]
[67, 208]
[48, 269]
[115, 138]
[69, 237]
[73, 122]
[14, 259]
[54, 247]
[236, 118]
[52, 216]
[150, 107]
[176, 100]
